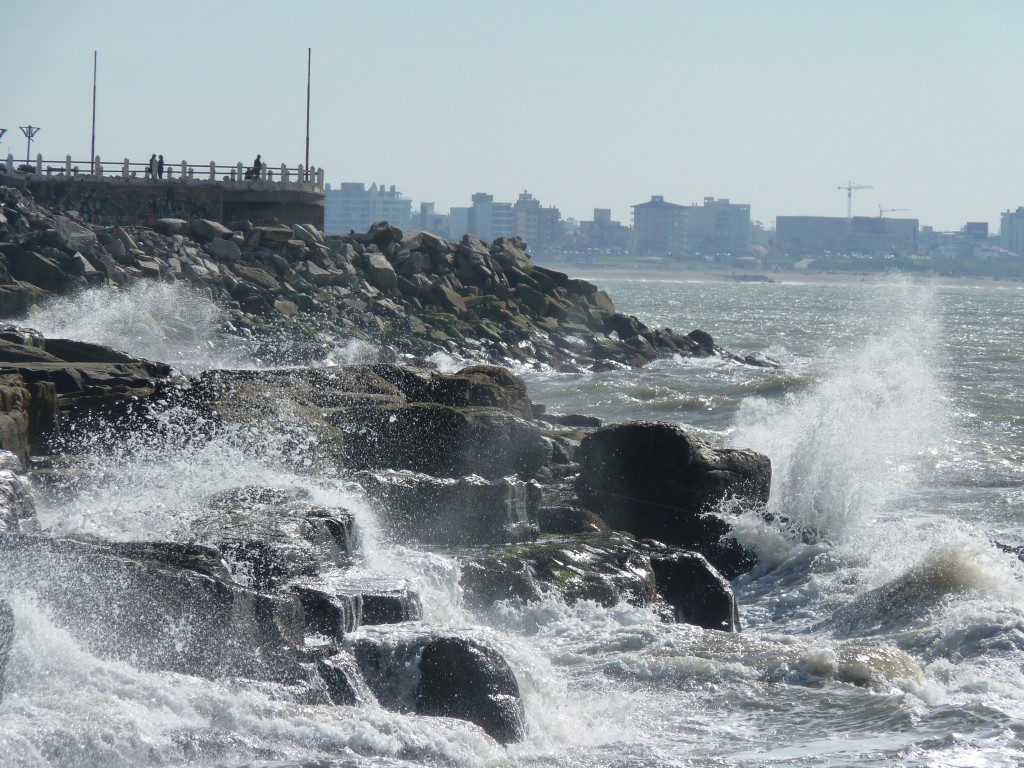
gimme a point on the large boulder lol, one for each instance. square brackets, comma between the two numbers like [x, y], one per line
[463, 679]
[439, 440]
[447, 511]
[205, 230]
[160, 606]
[74, 237]
[657, 481]
[604, 568]
[698, 593]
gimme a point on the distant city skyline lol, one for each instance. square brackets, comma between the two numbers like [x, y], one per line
[586, 105]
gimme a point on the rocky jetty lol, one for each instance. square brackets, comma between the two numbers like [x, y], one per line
[295, 288]
[263, 586]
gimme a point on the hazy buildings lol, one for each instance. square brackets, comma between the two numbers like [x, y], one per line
[717, 227]
[1011, 231]
[820, 235]
[658, 227]
[540, 227]
[352, 206]
[603, 234]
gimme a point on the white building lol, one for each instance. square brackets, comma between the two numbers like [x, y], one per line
[353, 207]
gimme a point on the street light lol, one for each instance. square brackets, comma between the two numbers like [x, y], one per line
[29, 131]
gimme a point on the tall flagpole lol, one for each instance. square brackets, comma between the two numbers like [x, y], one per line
[92, 146]
[309, 69]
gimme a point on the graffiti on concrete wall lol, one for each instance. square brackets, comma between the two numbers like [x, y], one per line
[131, 203]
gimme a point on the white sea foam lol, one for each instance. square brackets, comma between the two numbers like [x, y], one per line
[169, 322]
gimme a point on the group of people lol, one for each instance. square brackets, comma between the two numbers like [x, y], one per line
[155, 169]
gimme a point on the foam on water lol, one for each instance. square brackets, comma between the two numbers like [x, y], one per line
[64, 707]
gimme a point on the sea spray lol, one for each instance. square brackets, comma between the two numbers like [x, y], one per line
[169, 322]
[845, 448]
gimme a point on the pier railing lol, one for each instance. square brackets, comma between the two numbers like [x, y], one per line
[183, 172]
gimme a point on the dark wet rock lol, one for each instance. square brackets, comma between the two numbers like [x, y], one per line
[163, 614]
[699, 594]
[463, 679]
[17, 507]
[439, 440]
[605, 569]
[344, 681]
[6, 640]
[657, 481]
[269, 535]
[385, 416]
[486, 580]
[569, 519]
[449, 511]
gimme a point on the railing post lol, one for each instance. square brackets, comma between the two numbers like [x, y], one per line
[263, 172]
[39, 163]
[98, 166]
[170, 171]
[67, 165]
[320, 177]
[125, 173]
[10, 163]
[284, 172]
[270, 174]
[301, 174]
[184, 169]
[240, 173]
[213, 171]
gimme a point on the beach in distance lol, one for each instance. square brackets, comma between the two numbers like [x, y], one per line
[712, 274]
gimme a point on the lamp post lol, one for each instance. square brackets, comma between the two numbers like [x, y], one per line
[29, 131]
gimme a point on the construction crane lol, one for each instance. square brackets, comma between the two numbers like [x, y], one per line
[882, 210]
[850, 186]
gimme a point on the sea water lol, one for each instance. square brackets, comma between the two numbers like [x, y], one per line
[883, 625]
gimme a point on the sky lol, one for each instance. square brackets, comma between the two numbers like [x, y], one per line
[585, 104]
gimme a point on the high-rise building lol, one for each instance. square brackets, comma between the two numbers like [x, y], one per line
[540, 227]
[354, 207]
[658, 227]
[717, 227]
[1011, 231]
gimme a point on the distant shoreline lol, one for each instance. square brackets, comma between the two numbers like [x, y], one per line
[792, 276]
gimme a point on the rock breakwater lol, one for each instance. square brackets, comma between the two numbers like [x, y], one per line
[294, 289]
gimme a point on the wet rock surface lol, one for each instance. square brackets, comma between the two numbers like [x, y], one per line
[263, 583]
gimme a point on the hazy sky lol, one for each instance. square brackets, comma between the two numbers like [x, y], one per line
[596, 103]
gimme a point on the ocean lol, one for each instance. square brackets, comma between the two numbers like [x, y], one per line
[883, 626]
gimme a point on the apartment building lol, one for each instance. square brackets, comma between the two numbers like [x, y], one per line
[354, 207]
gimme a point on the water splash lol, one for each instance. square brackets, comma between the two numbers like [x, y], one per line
[169, 322]
[843, 450]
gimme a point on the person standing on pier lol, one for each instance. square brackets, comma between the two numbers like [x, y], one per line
[160, 167]
[151, 170]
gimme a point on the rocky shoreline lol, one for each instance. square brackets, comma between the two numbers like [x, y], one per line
[260, 587]
[294, 290]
